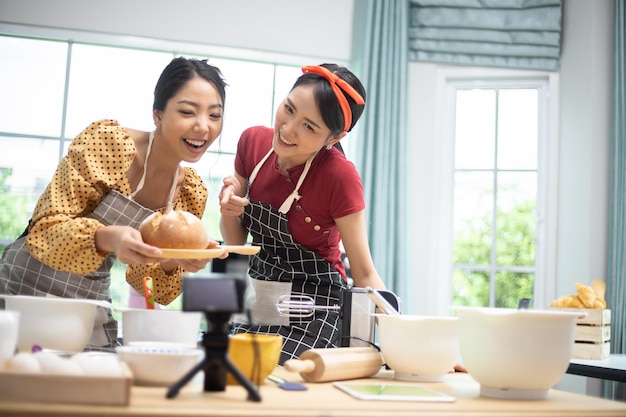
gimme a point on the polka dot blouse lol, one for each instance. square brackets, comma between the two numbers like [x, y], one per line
[97, 161]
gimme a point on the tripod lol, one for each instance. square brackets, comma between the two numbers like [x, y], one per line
[216, 362]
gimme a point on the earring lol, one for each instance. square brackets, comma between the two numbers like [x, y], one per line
[329, 147]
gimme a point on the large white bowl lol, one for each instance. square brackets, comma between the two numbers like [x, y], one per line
[516, 354]
[63, 324]
[158, 365]
[419, 348]
[170, 326]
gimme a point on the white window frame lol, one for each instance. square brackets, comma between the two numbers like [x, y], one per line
[548, 169]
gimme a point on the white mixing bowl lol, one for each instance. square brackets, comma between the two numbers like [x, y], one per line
[516, 354]
[419, 348]
[170, 326]
[54, 323]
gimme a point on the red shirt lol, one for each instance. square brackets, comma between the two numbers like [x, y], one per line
[332, 189]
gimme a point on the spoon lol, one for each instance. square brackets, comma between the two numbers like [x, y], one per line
[286, 385]
[148, 292]
[381, 302]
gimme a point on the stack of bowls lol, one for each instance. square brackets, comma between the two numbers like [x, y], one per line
[160, 345]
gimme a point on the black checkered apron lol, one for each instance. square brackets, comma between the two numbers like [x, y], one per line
[21, 273]
[283, 260]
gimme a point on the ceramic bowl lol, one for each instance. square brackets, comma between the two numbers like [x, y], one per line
[516, 354]
[62, 324]
[242, 351]
[159, 365]
[160, 325]
[419, 348]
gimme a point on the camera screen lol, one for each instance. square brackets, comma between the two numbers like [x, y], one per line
[218, 295]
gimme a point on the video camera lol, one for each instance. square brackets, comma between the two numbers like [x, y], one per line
[218, 294]
[218, 297]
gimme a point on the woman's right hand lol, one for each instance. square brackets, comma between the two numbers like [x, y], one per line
[231, 201]
[127, 244]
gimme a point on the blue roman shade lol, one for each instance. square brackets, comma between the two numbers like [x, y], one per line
[522, 34]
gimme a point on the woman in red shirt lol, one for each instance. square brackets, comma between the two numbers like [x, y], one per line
[298, 197]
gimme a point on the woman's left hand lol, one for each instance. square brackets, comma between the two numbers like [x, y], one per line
[189, 265]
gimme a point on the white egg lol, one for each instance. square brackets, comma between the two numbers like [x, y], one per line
[52, 363]
[98, 364]
[24, 363]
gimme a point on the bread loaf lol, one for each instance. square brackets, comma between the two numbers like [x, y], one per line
[175, 229]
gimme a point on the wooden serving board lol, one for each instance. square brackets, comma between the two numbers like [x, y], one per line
[241, 249]
[192, 253]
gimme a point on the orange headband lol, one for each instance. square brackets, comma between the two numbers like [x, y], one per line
[336, 83]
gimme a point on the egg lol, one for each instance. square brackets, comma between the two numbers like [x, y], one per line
[24, 363]
[52, 363]
[98, 364]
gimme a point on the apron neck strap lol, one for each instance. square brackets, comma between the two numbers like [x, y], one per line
[284, 208]
[143, 176]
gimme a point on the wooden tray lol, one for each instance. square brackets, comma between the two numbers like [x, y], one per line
[67, 389]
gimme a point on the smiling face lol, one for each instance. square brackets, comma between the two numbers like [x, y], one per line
[299, 130]
[191, 120]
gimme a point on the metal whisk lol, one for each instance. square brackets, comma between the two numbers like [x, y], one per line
[299, 306]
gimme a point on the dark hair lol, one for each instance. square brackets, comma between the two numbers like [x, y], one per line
[327, 101]
[178, 72]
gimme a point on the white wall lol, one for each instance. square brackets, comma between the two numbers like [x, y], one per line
[320, 28]
[586, 71]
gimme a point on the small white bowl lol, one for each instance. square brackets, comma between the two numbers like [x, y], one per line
[516, 354]
[158, 366]
[419, 348]
[166, 326]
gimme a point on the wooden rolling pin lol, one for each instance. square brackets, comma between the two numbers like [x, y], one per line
[334, 364]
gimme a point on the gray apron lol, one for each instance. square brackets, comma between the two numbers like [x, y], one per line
[21, 273]
[286, 268]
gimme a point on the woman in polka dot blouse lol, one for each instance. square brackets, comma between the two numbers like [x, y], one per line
[111, 179]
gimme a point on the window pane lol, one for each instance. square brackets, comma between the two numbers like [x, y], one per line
[23, 180]
[516, 222]
[475, 129]
[32, 79]
[285, 78]
[249, 97]
[470, 288]
[511, 286]
[473, 202]
[518, 126]
[112, 83]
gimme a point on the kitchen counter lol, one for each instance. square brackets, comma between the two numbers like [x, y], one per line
[322, 399]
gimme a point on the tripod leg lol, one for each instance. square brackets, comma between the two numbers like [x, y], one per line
[176, 386]
[253, 392]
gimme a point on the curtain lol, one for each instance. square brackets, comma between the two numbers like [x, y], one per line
[381, 59]
[521, 34]
[616, 274]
